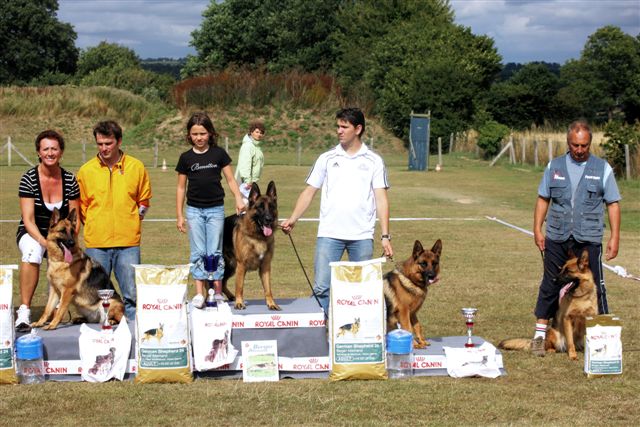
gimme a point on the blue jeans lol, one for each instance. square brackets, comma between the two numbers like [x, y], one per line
[120, 261]
[206, 227]
[331, 250]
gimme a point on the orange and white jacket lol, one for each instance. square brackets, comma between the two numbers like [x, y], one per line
[110, 201]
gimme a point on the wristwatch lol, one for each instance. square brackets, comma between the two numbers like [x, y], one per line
[386, 236]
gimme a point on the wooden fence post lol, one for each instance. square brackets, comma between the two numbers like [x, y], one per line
[371, 141]
[155, 155]
[84, 151]
[512, 152]
[524, 151]
[439, 151]
[226, 144]
[299, 151]
[627, 162]
[535, 152]
[550, 144]
[451, 143]
[9, 150]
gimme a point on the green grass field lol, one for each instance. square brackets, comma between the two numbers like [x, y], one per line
[485, 264]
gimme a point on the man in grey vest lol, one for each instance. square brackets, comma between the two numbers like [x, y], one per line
[571, 196]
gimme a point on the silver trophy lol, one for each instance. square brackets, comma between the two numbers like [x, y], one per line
[469, 314]
[105, 295]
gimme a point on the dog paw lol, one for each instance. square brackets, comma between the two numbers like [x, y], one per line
[573, 356]
[274, 306]
[239, 305]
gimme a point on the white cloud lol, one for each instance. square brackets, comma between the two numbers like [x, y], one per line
[544, 30]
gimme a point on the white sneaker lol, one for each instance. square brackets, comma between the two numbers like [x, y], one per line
[23, 320]
[197, 301]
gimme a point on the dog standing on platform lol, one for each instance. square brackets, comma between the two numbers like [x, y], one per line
[406, 287]
[248, 244]
[74, 278]
[578, 300]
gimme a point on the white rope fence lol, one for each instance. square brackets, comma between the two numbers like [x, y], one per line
[619, 270]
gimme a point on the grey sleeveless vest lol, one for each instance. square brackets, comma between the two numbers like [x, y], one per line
[585, 219]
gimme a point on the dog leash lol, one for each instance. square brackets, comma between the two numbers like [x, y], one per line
[305, 275]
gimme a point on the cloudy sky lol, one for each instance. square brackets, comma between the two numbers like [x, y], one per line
[523, 30]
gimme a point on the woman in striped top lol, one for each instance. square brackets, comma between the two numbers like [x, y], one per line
[42, 188]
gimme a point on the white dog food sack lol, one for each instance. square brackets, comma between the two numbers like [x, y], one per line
[603, 346]
[211, 337]
[162, 327]
[104, 354]
[7, 337]
[357, 321]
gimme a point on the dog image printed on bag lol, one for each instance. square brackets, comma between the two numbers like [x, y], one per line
[249, 244]
[218, 349]
[156, 333]
[350, 327]
[406, 287]
[104, 361]
[578, 301]
[74, 278]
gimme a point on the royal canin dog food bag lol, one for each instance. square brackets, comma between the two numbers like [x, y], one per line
[162, 327]
[7, 336]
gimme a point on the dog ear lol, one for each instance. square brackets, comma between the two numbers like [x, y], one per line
[55, 217]
[417, 249]
[254, 193]
[583, 262]
[271, 190]
[437, 247]
[73, 217]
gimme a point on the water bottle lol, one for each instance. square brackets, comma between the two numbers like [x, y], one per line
[399, 354]
[29, 361]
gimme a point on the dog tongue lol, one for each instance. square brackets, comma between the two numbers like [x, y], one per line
[267, 231]
[67, 254]
[565, 289]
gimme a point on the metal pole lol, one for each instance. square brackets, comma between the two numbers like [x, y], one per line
[439, 151]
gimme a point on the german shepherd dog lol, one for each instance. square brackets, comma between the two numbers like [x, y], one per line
[405, 289]
[354, 328]
[578, 300]
[218, 347]
[156, 333]
[249, 244]
[74, 278]
[104, 360]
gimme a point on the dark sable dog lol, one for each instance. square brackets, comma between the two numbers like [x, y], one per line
[249, 243]
[74, 278]
[578, 300]
[405, 289]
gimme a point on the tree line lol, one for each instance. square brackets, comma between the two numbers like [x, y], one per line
[389, 56]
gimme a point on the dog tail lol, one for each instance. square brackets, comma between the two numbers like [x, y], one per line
[515, 344]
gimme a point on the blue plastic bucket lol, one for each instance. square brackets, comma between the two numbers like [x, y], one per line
[29, 347]
[399, 341]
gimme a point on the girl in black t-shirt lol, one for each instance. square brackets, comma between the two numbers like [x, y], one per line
[200, 172]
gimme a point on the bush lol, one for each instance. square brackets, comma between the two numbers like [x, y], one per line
[620, 134]
[490, 137]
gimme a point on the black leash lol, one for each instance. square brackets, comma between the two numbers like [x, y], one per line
[306, 276]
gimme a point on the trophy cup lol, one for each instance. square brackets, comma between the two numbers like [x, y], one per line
[469, 314]
[210, 266]
[105, 295]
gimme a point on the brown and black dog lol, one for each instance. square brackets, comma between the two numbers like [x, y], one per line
[74, 278]
[249, 244]
[578, 301]
[405, 289]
